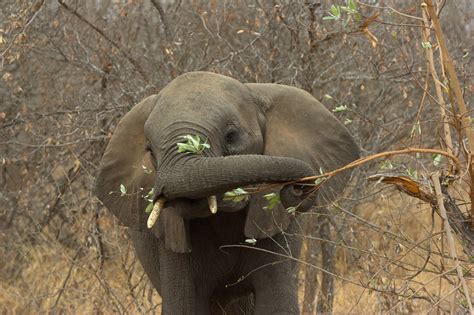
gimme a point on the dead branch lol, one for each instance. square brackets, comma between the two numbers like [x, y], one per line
[119, 47]
[449, 237]
[162, 15]
[442, 105]
[455, 86]
[424, 192]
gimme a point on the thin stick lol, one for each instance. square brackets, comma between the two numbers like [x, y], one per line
[450, 239]
[447, 137]
[454, 85]
[439, 93]
[385, 154]
[356, 163]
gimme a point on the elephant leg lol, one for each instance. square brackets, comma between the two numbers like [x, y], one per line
[172, 275]
[276, 289]
[146, 249]
[183, 290]
[275, 278]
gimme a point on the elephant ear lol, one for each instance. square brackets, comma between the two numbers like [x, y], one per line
[126, 173]
[298, 126]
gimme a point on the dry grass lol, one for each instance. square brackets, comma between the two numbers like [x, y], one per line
[48, 276]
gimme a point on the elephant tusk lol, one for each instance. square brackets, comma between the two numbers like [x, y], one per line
[212, 200]
[155, 212]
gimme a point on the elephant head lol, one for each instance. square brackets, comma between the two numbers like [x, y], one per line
[258, 133]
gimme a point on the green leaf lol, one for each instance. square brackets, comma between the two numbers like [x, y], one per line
[235, 195]
[270, 196]
[386, 164]
[412, 173]
[416, 129]
[149, 196]
[351, 5]
[146, 170]
[334, 13]
[149, 207]
[273, 200]
[319, 180]
[340, 108]
[330, 17]
[291, 209]
[123, 190]
[251, 241]
[345, 9]
[347, 121]
[426, 45]
[436, 159]
[335, 10]
[184, 147]
[192, 144]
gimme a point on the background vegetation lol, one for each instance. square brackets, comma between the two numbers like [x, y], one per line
[70, 69]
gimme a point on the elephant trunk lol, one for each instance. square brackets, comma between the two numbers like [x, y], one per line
[200, 177]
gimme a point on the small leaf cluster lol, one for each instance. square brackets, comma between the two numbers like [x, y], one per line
[412, 173]
[291, 210]
[192, 144]
[340, 108]
[123, 190]
[322, 179]
[146, 170]
[273, 201]
[426, 45]
[235, 195]
[336, 12]
[386, 165]
[149, 197]
[251, 241]
[416, 129]
[437, 158]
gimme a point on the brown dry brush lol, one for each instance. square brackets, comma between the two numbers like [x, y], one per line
[70, 69]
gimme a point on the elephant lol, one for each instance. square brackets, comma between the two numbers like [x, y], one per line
[203, 252]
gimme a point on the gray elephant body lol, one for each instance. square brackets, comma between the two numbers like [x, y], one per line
[259, 133]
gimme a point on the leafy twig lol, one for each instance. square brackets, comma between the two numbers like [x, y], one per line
[192, 144]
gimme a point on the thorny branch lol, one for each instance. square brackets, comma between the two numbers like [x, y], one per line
[122, 50]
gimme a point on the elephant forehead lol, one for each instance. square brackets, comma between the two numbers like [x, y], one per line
[198, 101]
[206, 85]
[196, 107]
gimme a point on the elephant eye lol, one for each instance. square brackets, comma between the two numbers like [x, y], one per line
[231, 136]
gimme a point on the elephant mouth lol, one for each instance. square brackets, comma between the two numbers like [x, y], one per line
[196, 208]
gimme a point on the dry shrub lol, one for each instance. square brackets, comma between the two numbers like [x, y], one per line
[71, 69]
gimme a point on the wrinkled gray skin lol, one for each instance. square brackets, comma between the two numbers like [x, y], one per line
[259, 133]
